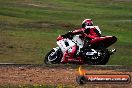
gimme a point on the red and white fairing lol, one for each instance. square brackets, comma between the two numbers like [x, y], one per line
[66, 44]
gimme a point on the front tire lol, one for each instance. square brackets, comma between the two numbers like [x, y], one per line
[53, 57]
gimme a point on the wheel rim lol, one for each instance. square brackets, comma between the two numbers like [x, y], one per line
[52, 56]
[97, 59]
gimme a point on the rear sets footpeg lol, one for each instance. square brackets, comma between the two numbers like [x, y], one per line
[112, 51]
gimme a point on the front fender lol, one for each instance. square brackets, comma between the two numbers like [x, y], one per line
[56, 48]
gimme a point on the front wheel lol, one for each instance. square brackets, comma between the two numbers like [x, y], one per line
[53, 57]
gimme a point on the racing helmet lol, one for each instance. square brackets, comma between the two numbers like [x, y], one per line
[87, 22]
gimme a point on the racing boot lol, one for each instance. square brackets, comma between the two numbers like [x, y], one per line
[87, 45]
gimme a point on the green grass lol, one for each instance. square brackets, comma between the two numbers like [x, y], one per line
[28, 28]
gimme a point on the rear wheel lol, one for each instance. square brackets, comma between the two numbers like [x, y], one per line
[53, 57]
[101, 58]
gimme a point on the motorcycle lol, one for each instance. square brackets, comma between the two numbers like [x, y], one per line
[93, 52]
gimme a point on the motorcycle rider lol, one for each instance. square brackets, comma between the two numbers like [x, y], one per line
[87, 32]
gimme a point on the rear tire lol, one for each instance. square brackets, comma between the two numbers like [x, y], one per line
[101, 60]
